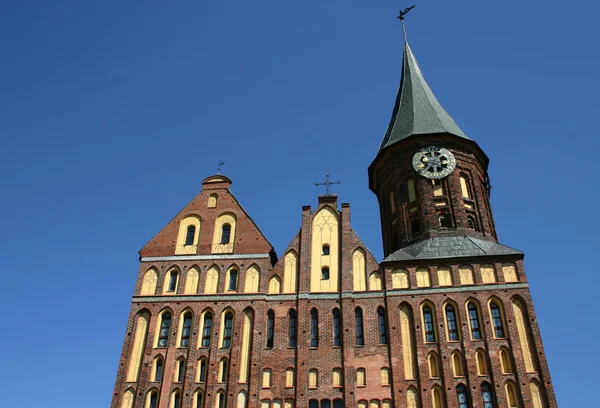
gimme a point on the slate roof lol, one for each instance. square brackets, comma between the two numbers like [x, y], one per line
[417, 110]
[450, 247]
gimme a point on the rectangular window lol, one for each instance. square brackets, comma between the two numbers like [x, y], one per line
[289, 377]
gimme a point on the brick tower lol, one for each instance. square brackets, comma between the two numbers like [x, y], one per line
[445, 320]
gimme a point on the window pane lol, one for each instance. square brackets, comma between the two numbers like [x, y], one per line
[189, 237]
[292, 329]
[207, 329]
[233, 276]
[360, 340]
[314, 328]
[227, 331]
[225, 234]
[270, 328]
[336, 327]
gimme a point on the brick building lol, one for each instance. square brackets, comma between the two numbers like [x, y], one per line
[444, 320]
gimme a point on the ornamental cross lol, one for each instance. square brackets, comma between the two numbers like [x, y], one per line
[328, 183]
[221, 163]
[401, 18]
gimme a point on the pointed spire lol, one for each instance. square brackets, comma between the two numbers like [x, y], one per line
[417, 110]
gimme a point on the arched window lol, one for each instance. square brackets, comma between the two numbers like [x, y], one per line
[436, 397]
[233, 279]
[487, 396]
[223, 370]
[325, 250]
[385, 376]
[163, 334]
[266, 379]
[198, 399]
[186, 330]
[176, 399]
[423, 278]
[270, 328]
[313, 403]
[451, 323]
[457, 364]
[360, 336]
[292, 328]
[149, 283]
[227, 330]
[172, 287]
[206, 330]
[338, 403]
[337, 377]
[472, 224]
[137, 346]
[225, 233]
[474, 321]
[497, 320]
[202, 370]
[314, 328]
[505, 364]
[464, 186]
[481, 362]
[336, 327]
[212, 200]
[433, 365]
[158, 368]
[179, 370]
[428, 325]
[361, 377]
[313, 378]
[462, 396]
[152, 399]
[220, 400]
[382, 323]
[274, 285]
[290, 375]
[190, 234]
[325, 273]
[362, 404]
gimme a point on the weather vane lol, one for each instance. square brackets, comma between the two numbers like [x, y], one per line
[328, 183]
[401, 18]
[221, 163]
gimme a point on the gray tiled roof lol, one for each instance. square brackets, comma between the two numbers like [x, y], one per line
[450, 247]
[417, 110]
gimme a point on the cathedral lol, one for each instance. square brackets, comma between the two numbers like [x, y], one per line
[446, 319]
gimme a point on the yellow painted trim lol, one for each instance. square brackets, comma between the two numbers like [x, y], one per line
[274, 285]
[180, 247]
[511, 395]
[266, 378]
[475, 303]
[466, 275]
[127, 399]
[536, 394]
[223, 370]
[159, 322]
[325, 231]
[149, 397]
[509, 270]
[290, 377]
[211, 283]
[313, 378]
[500, 305]
[444, 276]
[385, 375]
[436, 397]
[212, 200]
[252, 280]
[222, 325]
[217, 247]
[361, 377]
[241, 400]
[167, 279]
[433, 365]
[375, 281]
[481, 362]
[180, 327]
[290, 272]
[400, 279]
[192, 278]
[246, 346]
[505, 361]
[137, 348]
[155, 367]
[228, 279]
[433, 317]
[457, 364]
[522, 324]
[456, 317]
[178, 367]
[336, 377]
[488, 273]
[149, 282]
[423, 278]
[407, 342]
[359, 271]
[412, 398]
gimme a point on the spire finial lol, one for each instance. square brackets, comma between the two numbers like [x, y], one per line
[328, 183]
[401, 18]
[221, 163]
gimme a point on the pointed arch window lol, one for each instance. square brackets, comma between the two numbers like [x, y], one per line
[270, 328]
[382, 323]
[207, 329]
[153, 399]
[223, 370]
[314, 328]
[180, 370]
[189, 235]
[163, 334]
[176, 400]
[428, 324]
[202, 370]
[225, 233]
[487, 396]
[497, 320]
[186, 329]
[172, 281]
[158, 369]
[360, 336]
[474, 321]
[336, 327]
[463, 396]
[451, 323]
[227, 330]
[233, 279]
[199, 399]
[472, 224]
[292, 328]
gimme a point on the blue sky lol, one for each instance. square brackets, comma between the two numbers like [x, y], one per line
[111, 114]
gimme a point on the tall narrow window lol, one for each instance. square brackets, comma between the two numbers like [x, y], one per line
[451, 323]
[325, 250]
[176, 400]
[486, 395]
[457, 364]
[313, 403]
[497, 320]
[270, 328]
[153, 399]
[163, 334]
[227, 329]
[206, 330]
[505, 364]
[325, 273]
[313, 378]
[463, 397]
[190, 234]
[481, 362]
[223, 370]
[360, 336]
[381, 320]
[314, 328]
[292, 328]
[158, 369]
[233, 279]
[361, 377]
[221, 400]
[338, 403]
[180, 370]
[337, 377]
[336, 327]
[172, 281]
[266, 380]
[474, 321]
[225, 233]
[202, 370]
[186, 330]
[199, 399]
[428, 324]
[325, 403]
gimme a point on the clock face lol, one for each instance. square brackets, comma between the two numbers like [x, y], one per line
[434, 162]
